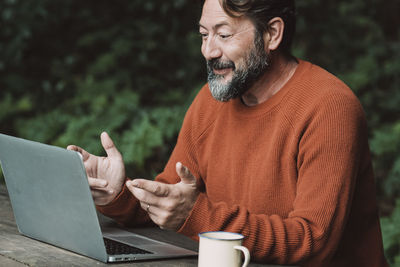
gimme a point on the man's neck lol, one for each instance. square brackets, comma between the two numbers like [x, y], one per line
[278, 74]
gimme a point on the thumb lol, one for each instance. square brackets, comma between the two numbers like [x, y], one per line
[109, 146]
[184, 173]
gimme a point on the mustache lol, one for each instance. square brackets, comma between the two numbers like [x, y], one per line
[218, 64]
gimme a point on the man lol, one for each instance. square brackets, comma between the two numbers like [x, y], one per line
[272, 147]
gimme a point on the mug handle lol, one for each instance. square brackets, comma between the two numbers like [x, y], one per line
[246, 254]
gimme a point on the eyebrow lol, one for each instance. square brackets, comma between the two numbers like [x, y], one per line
[215, 27]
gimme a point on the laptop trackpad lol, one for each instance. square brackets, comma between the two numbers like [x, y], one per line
[134, 240]
[128, 237]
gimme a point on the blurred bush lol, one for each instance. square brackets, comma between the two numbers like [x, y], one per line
[391, 235]
[72, 69]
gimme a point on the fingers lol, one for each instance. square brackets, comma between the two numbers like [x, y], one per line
[99, 190]
[98, 184]
[148, 192]
[156, 214]
[155, 188]
[150, 209]
[100, 197]
[184, 173]
[109, 146]
[84, 153]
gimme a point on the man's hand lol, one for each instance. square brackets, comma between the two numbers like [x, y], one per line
[106, 175]
[167, 205]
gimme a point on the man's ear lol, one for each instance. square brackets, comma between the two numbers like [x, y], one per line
[274, 34]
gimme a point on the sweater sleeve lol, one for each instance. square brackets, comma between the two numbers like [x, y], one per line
[328, 162]
[125, 208]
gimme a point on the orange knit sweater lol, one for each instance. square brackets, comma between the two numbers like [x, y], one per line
[292, 174]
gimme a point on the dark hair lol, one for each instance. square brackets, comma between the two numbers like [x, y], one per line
[261, 12]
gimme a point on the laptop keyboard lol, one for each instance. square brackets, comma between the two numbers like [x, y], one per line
[118, 248]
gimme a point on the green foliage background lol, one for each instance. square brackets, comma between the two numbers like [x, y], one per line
[72, 69]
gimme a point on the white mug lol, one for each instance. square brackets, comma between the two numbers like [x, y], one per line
[222, 249]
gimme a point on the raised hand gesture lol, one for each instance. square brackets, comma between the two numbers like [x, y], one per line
[106, 175]
[168, 205]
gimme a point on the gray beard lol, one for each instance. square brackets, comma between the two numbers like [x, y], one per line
[256, 64]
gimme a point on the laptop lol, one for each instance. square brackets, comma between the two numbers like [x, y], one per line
[52, 202]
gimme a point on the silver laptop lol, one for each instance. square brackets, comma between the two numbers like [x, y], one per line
[52, 202]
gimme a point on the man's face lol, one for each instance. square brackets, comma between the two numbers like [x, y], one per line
[234, 52]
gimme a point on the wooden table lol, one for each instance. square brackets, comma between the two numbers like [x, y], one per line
[18, 250]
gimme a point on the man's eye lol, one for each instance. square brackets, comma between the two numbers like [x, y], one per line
[224, 36]
[203, 35]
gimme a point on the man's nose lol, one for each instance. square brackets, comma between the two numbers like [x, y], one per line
[211, 49]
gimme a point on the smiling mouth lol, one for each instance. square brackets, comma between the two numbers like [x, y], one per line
[223, 71]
